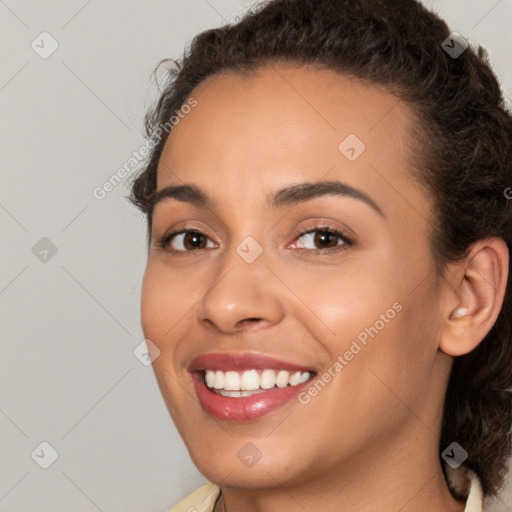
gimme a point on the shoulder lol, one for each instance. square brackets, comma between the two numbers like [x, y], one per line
[201, 500]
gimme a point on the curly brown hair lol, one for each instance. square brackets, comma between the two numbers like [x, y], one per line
[464, 159]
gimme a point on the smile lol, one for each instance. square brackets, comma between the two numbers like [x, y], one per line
[238, 384]
[245, 387]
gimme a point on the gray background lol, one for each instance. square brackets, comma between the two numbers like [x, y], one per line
[70, 322]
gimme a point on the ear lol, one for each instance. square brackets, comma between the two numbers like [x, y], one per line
[473, 296]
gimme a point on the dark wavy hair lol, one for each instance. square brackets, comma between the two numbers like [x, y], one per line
[463, 157]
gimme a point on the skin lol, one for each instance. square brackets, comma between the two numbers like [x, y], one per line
[369, 440]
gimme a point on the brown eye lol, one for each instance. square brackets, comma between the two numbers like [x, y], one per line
[193, 240]
[325, 239]
[186, 241]
[318, 239]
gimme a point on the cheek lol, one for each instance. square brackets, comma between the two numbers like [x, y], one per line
[154, 304]
[375, 325]
[165, 301]
[344, 303]
[390, 358]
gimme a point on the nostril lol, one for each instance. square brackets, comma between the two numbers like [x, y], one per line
[249, 321]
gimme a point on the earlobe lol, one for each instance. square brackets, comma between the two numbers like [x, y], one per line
[475, 296]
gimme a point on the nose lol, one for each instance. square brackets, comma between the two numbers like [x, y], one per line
[242, 297]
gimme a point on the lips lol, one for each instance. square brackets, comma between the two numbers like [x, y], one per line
[236, 387]
[226, 362]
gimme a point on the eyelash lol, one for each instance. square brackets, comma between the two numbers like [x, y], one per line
[164, 242]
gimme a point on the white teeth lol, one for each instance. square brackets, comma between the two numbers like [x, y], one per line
[295, 379]
[250, 380]
[231, 381]
[304, 377]
[210, 378]
[267, 379]
[282, 379]
[237, 384]
[218, 383]
[237, 394]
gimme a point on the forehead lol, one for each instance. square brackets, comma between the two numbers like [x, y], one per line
[285, 124]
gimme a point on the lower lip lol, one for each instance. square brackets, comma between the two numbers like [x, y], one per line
[245, 408]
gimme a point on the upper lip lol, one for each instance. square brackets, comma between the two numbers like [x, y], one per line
[237, 361]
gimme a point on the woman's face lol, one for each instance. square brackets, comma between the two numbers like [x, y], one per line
[259, 285]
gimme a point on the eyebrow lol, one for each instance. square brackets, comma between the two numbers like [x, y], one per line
[288, 196]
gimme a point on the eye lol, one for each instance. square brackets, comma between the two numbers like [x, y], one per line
[184, 241]
[325, 237]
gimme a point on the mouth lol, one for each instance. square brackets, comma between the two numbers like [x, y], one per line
[243, 388]
[237, 384]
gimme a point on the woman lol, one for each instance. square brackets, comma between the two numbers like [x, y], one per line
[327, 278]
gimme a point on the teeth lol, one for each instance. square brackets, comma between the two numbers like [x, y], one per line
[295, 379]
[282, 379]
[210, 378]
[218, 382]
[231, 381]
[235, 384]
[237, 394]
[304, 377]
[250, 380]
[267, 379]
